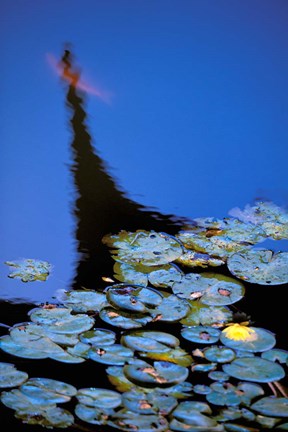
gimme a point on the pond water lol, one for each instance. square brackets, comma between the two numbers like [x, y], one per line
[187, 131]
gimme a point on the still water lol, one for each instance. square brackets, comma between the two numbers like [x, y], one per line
[98, 205]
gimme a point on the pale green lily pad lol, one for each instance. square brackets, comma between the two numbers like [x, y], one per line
[66, 357]
[213, 289]
[171, 309]
[260, 266]
[93, 415]
[201, 334]
[219, 354]
[166, 276]
[60, 320]
[197, 259]
[29, 270]
[204, 367]
[150, 341]
[218, 376]
[51, 417]
[128, 422]
[176, 425]
[30, 331]
[123, 319]
[202, 314]
[98, 337]
[258, 340]
[192, 413]
[146, 247]
[131, 273]
[10, 376]
[134, 298]
[45, 391]
[249, 391]
[271, 218]
[84, 300]
[99, 398]
[162, 374]
[254, 369]
[202, 388]
[111, 354]
[154, 402]
[272, 406]
[276, 354]
[224, 394]
[40, 348]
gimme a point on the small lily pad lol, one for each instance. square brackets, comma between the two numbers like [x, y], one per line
[146, 247]
[219, 354]
[111, 354]
[134, 298]
[99, 398]
[48, 391]
[10, 376]
[171, 309]
[154, 402]
[260, 266]
[29, 270]
[254, 369]
[202, 314]
[162, 374]
[128, 422]
[98, 337]
[197, 259]
[272, 406]
[93, 415]
[201, 334]
[85, 300]
[165, 276]
[257, 340]
[123, 319]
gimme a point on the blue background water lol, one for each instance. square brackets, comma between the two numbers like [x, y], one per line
[197, 122]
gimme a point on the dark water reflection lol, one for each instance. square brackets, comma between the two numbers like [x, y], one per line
[101, 207]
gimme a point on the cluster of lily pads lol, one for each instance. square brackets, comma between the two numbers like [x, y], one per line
[208, 370]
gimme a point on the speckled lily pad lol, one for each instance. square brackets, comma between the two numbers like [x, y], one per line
[201, 334]
[123, 319]
[153, 402]
[10, 376]
[134, 298]
[260, 266]
[115, 354]
[257, 340]
[29, 270]
[202, 314]
[254, 369]
[99, 398]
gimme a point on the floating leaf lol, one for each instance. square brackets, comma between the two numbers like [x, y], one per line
[47, 391]
[30, 270]
[148, 248]
[198, 259]
[127, 421]
[133, 298]
[257, 339]
[110, 354]
[201, 314]
[99, 398]
[260, 266]
[224, 394]
[93, 415]
[131, 273]
[276, 355]
[254, 369]
[272, 406]
[85, 300]
[10, 376]
[98, 337]
[219, 354]
[149, 341]
[171, 309]
[154, 402]
[124, 320]
[50, 417]
[162, 374]
[201, 334]
[166, 276]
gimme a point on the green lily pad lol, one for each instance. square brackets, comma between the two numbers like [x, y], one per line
[145, 247]
[257, 340]
[272, 406]
[10, 376]
[51, 417]
[254, 369]
[134, 298]
[219, 354]
[131, 273]
[176, 425]
[213, 289]
[29, 270]
[197, 259]
[99, 398]
[260, 266]
[279, 355]
[98, 337]
[201, 334]
[84, 300]
[165, 276]
[40, 348]
[93, 415]
[224, 394]
[249, 391]
[30, 331]
[218, 376]
[162, 374]
[171, 309]
[128, 422]
[150, 341]
[154, 402]
[111, 354]
[271, 218]
[123, 319]
[60, 320]
[48, 391]
[202, 314]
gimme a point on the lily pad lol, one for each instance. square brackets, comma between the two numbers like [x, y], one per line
[202, 314]
[99, 398]
[51, 417]
[254, 369]
[162, 374]
[29, 270]
[272, 406]
[85, 300]
[10, 376]
[257, 340]
[219, 354]
[134, 298]
[123, 319]
[111, 354]
[146, 247]
[165, 276]
[171, 309]
[48, 391]
[150, 341]
[135, 274]
[260, 266]
[197, 259]
[128, 422]
[213, 289]
[201, 334]
[98, 337]
[154, 402]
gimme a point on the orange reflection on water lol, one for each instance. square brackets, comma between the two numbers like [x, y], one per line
[72, 76]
